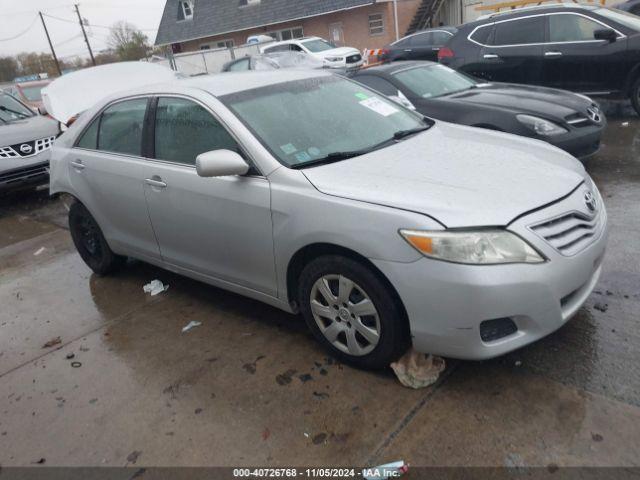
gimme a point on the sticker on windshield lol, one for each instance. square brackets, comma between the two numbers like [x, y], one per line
[288, 149]
[379, 106]
[314, 152]
[302, 157]
[362, 96]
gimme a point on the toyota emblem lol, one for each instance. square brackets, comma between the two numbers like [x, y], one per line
[26, 148]
[590, 201]
[594, 114]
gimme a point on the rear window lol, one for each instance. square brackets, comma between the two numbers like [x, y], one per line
[519, 32]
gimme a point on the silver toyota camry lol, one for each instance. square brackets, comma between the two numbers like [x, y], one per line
[316, 195]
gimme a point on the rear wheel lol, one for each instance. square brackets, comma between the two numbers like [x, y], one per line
[90, 242]
[352, 312]
[635, 95]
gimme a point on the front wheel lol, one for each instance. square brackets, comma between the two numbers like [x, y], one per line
[90, 242]
[635, 95]
[352, 312]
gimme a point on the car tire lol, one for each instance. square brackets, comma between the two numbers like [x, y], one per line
[635, 95]
[359, 319]
[90, 242]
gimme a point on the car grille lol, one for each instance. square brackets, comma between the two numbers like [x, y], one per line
[26, 149]
[354, 58]
[572, 232]
[24, 174]
[593, 116]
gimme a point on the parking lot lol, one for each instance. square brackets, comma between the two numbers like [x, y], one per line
[250, 386]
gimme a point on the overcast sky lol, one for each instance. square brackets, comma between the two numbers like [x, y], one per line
[18, 16]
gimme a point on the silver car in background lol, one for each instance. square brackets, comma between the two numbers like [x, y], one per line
[25, 142]
[313, 194]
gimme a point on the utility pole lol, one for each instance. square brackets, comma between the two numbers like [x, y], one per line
[93, 60]
[53, 52]
[395, 18]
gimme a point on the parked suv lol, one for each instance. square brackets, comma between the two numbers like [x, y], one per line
[332, 56]
[585, 49]
[25, 142]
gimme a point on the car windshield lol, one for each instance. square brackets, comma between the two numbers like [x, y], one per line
[434, 81]
[624, 18]
[11, 109]
[33, 94]
[306, 122]
[318, 45]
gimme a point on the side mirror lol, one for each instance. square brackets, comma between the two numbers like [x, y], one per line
[220, 163]
[605, 34]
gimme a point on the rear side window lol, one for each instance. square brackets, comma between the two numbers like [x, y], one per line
[422, 39]
[278, 48]
[89, 138]
[571, 28]
[121, 127]
[482, 34]
[440, 38]
[519, 32]
[240, 65]
[185, 129]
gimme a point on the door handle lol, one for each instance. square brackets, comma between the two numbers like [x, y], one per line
[435, 49]
[553, 54]
[490, 56]
[408, 50]
[155, 183]
[77, 164]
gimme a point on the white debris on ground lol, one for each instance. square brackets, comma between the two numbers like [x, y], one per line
[625, 124]
[39, 251]
[191, 325]
[155, 287]
[417, 370]
[388, 470]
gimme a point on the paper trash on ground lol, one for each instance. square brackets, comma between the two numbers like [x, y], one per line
[191, 325]
[154, 287]
[417, 370]
[388, 470]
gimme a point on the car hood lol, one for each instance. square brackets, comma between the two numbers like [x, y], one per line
[338, 52]
[546, 102]
[461, 176]
[27, 129]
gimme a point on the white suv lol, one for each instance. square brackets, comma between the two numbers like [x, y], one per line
[331, 56]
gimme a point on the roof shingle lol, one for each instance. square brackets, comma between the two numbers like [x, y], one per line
[215, 17]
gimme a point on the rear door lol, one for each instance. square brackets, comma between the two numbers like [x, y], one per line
[106, 169]
[219, 227]
[575, 60]
[514, 51]
[422, 47]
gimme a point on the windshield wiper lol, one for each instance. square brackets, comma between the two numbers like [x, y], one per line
[405, 133]
[15, 112]
[337, 156]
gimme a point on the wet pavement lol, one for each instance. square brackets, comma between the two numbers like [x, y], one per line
[122, 385]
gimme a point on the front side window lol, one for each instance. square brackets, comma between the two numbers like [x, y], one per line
[376, 24]
[89, 138]
[318, 45]
[11, 109]
[121, 127]
[297, 122]
[572, 28]
[519, 32]
[185, 129]
[434, 81]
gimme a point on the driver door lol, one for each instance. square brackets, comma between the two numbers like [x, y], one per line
[219, 227]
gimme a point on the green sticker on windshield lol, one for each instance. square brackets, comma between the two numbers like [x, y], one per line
[362, 96]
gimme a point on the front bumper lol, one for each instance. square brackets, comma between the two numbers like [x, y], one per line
[580, 142]
[24, 172]
[446, 302]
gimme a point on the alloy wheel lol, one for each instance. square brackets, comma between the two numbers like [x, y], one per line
[345, 314]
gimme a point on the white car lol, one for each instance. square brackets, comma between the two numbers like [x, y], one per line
[331, 56]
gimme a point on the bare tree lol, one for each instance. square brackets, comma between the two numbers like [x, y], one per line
[128, 42]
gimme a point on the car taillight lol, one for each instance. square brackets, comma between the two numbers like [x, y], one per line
[445, 52]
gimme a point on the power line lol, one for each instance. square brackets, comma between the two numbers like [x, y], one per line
[93, 24]
[35, 19]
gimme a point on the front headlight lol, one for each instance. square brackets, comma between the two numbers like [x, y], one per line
[334, 59]
[481, 247]
[541, 126]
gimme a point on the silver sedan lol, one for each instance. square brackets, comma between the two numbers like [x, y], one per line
[316, 195]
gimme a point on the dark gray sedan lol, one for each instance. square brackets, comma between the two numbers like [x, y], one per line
[567, 120]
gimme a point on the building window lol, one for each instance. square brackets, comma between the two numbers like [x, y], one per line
[185, 12]
[287, 34]
[225, 44]
[376, 24]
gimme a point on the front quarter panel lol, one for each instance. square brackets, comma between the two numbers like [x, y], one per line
[303, 216]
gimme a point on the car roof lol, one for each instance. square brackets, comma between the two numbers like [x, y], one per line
[522, 11]
[390, 68]
[231, 82]
[427, 30]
